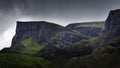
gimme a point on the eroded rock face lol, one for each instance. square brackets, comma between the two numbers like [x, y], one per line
[66, 37]
[63, 45]
[41, 30]
[90, 29]
[51, 40]
[112, 27]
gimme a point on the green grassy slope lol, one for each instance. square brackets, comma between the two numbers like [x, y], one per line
[102, 57]
[28, 46]
[9, 60]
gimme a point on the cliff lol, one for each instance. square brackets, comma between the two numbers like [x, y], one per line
[72, 46]
[52, 41]
[90, 29]
[107, 54]
[111, 33]
[41, 30]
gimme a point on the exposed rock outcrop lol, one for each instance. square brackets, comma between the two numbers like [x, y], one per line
[53, 41]
[58, 43]
[41, 30]
[107, 52]
[90, 29]
[63, 45]
[112, 28]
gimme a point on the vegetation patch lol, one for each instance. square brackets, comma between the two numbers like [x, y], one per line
[86, 41]
[9, 60]
[93, 61]
[28, 46]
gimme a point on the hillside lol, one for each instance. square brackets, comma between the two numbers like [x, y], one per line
[107, 54]
[78, 45]
[10, 60]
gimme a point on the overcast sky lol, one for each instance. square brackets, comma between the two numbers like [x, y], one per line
[59, 11]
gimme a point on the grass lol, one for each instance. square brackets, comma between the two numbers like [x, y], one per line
[56, 35]
[28, 46]
[58, 46]
[91, 61]
[32, 46]
[75, 31]
[85, 41]
[27, 41]
[9, 60]
[101, 57]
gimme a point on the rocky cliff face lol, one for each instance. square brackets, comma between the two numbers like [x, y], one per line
[112, 27]
[52, 41]
[64, 45]
[58, 43]
[107, 52]
[90, 29]
[42, 31]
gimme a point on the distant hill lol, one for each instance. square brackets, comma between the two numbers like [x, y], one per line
[99, 24]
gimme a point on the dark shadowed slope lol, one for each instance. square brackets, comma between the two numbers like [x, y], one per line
[108, 54]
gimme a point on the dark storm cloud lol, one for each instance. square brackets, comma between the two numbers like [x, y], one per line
[65, 11]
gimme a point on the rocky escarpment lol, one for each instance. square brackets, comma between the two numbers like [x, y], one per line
[32, 37]
[90, 29]
[107, 54]
[64, 45]
[69, 44]
[52, 41]
[111, 33]
[42, 30]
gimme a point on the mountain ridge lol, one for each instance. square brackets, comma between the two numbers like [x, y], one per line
[41, 34]
[73, 46]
